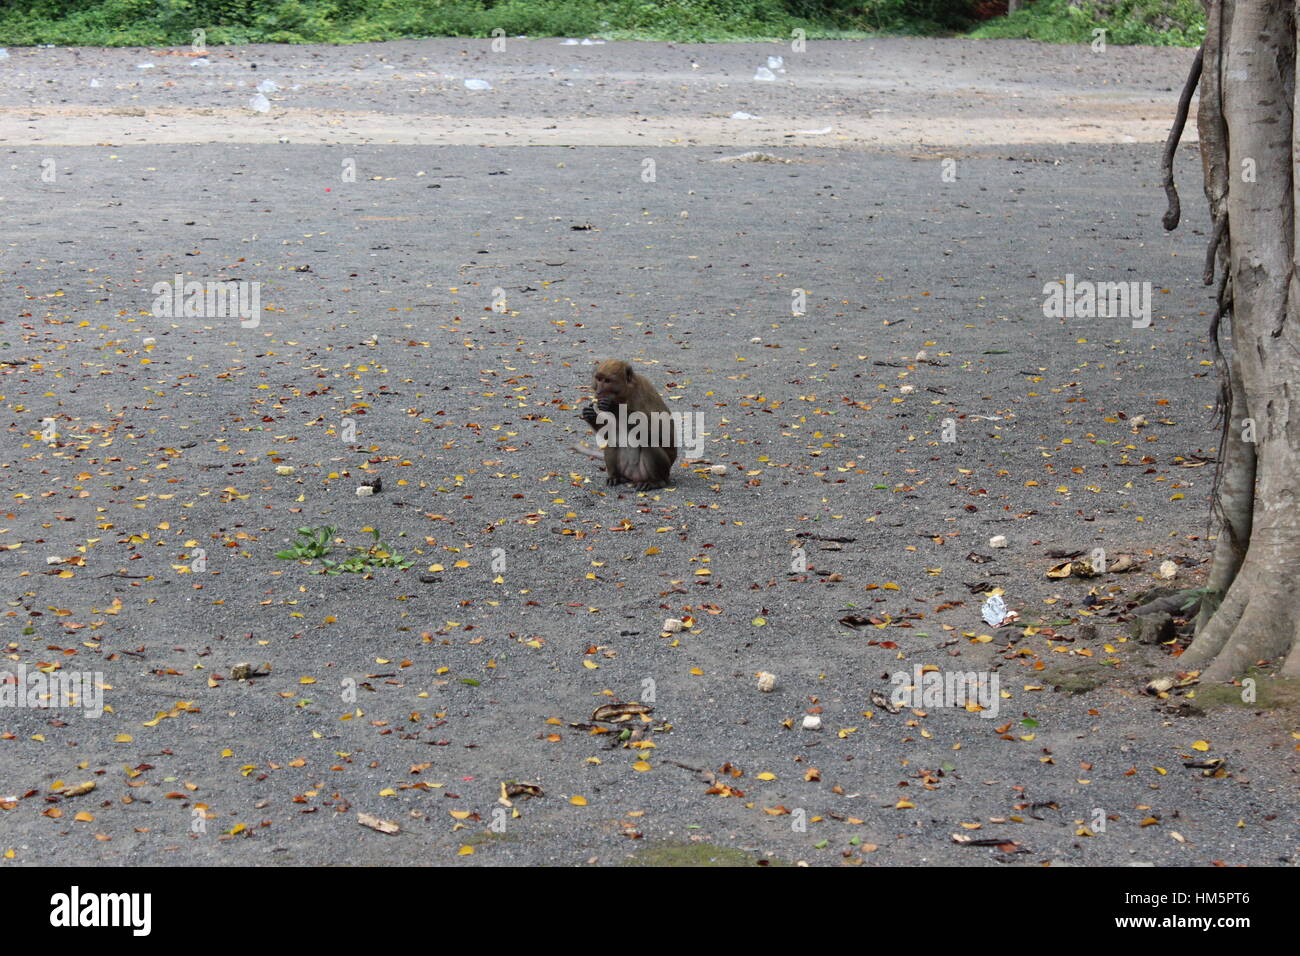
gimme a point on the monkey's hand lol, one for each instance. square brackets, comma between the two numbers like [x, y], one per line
[608, 405]
[589, 415]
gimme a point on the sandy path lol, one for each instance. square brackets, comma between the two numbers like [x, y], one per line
[884, 94]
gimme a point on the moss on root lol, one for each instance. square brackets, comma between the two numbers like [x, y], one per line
[1077, 680]
[1272, 692]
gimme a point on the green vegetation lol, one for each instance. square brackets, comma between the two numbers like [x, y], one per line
[1150, 22]
[314, 543]
[172, 22]
[376, 555]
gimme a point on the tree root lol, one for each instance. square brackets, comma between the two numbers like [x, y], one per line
[1175, 210]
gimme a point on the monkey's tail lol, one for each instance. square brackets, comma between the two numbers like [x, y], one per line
[588, 451]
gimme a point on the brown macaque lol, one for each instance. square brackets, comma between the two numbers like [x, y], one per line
[639, 436]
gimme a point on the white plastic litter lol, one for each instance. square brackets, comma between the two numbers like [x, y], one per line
[201, 61]
[994, 610]
[776, 63]
[144, 66]
[94, 82]
[592, 42]
[568, 43]
[4, 54]
[266, 86]
[764, 75]
[260, 103]
[477, 85]
[815, 132]
[741, 114]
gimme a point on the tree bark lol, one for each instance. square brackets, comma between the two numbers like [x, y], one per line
[1249, 145]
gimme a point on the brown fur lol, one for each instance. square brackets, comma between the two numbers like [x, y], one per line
[621, 392]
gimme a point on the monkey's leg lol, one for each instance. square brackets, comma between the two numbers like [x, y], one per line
[614, 475]
[653, 469]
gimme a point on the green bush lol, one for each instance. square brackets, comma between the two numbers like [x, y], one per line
[1151, 22]
[171, 22]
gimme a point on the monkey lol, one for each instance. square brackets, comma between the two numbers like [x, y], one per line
[627, 408]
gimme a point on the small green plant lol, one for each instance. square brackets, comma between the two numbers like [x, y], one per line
[1195, 596]
[312, 543]
[377, 555]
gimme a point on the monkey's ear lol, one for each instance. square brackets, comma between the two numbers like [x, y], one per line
[627, 366]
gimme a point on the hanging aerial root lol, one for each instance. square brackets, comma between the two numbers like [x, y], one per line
[1175, 210]
[1211, 253]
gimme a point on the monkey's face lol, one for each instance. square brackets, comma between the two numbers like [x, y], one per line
[612, 380]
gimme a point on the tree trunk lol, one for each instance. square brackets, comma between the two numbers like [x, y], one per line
[1249, 145]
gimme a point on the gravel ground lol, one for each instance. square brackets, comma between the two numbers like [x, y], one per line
[536, 594]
